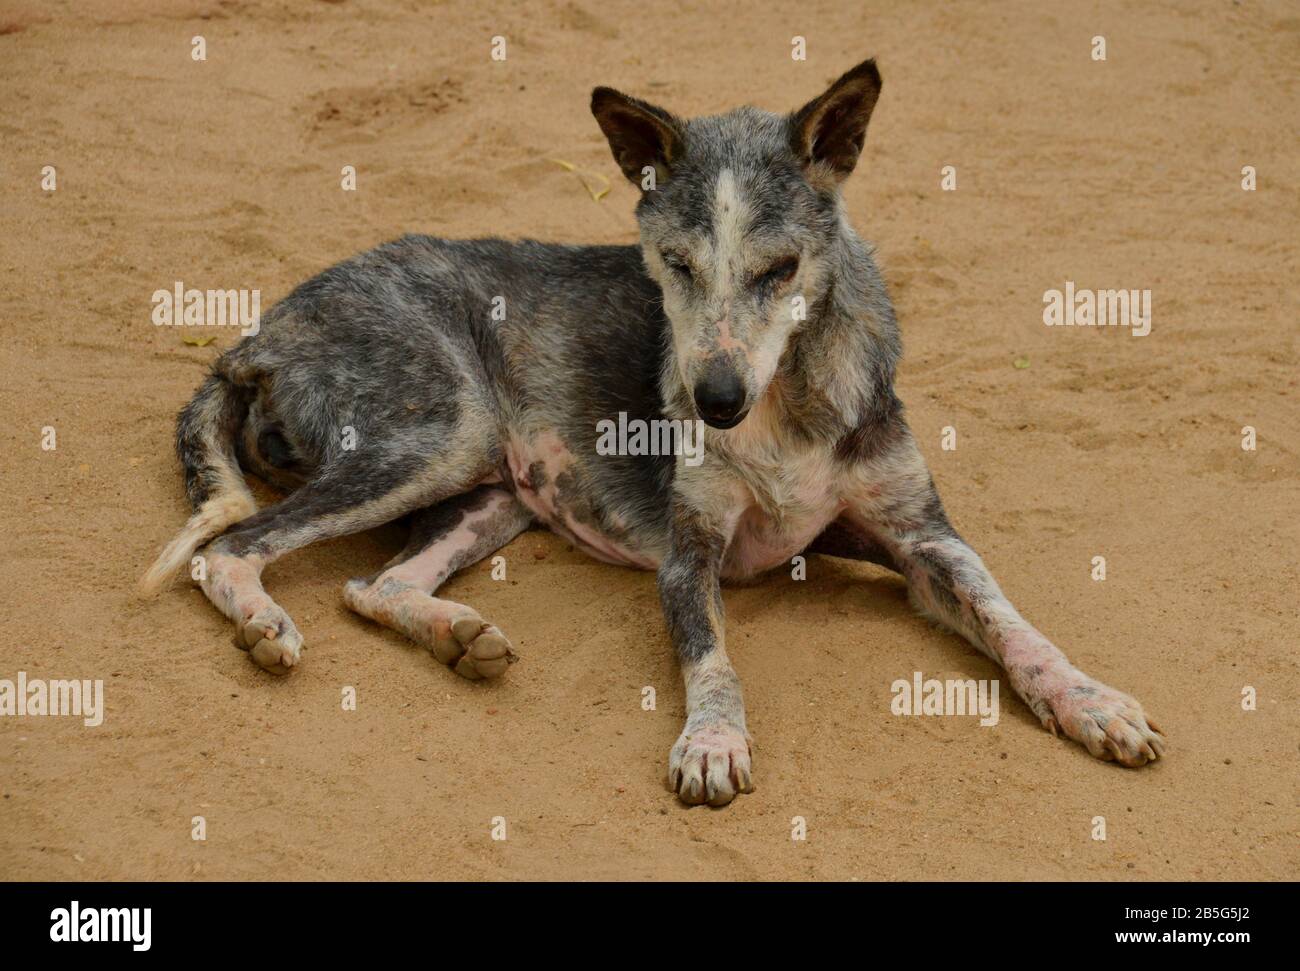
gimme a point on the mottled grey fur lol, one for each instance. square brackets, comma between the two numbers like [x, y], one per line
[479, 424]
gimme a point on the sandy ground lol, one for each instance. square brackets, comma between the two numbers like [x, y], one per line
[226, 173]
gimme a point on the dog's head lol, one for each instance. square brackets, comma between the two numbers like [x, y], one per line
[737, 215]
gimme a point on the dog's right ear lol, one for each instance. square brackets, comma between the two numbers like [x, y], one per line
[640, 135]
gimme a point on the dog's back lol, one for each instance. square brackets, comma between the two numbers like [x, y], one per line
[396, 343]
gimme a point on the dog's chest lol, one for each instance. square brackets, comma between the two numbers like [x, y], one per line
[792, 498]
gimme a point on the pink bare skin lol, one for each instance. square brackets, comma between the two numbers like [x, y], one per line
[262, 627]
[402, 596]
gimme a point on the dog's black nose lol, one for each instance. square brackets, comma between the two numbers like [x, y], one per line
[719, 396]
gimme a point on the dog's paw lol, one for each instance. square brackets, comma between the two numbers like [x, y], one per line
[473, 648]
[453, 633]
[271, 639]
[710, 763]
[1108, 723]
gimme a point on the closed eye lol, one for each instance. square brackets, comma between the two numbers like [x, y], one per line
[678, 263]
[779, 273]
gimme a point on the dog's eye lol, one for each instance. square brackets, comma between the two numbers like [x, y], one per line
[782, 271]
[678, 264]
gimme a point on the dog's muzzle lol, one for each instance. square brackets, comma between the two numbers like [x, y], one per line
[720, 396]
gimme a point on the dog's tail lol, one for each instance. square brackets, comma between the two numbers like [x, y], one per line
[206, 430]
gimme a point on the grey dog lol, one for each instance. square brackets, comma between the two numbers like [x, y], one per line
[462, 383]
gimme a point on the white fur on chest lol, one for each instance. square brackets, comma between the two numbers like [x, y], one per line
[791, 493]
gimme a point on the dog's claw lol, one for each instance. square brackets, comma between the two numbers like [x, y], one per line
[710, 764]
[1108, 723]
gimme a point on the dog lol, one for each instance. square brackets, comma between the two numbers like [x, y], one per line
[461, 383]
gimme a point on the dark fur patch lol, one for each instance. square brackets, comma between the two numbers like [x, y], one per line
[213, 415]
[275, 448]
[690, 588]
[878, 428]
[842, 540]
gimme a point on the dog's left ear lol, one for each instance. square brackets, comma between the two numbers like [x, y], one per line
[640, 134]
[828, 132]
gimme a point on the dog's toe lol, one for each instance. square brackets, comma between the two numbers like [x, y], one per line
[272, 640]
[475, 649]
[455, 634]
[1108, 723]
[710, 765]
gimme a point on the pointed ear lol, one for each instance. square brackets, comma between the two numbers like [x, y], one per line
[828, 132]
[639, 134]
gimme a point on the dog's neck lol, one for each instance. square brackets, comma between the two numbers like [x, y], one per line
[842, 360]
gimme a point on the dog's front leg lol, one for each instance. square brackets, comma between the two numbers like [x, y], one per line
[711, 760]
[900, 512]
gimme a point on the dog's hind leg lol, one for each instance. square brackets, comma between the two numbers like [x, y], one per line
[445, 538]
[348, 496]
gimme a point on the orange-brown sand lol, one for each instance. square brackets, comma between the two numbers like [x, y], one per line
[226, 173]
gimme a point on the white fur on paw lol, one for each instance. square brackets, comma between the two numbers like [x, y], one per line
[1108, 723]
[710, 763]
[271, 639]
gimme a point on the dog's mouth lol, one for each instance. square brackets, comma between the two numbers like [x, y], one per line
[725, 423]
